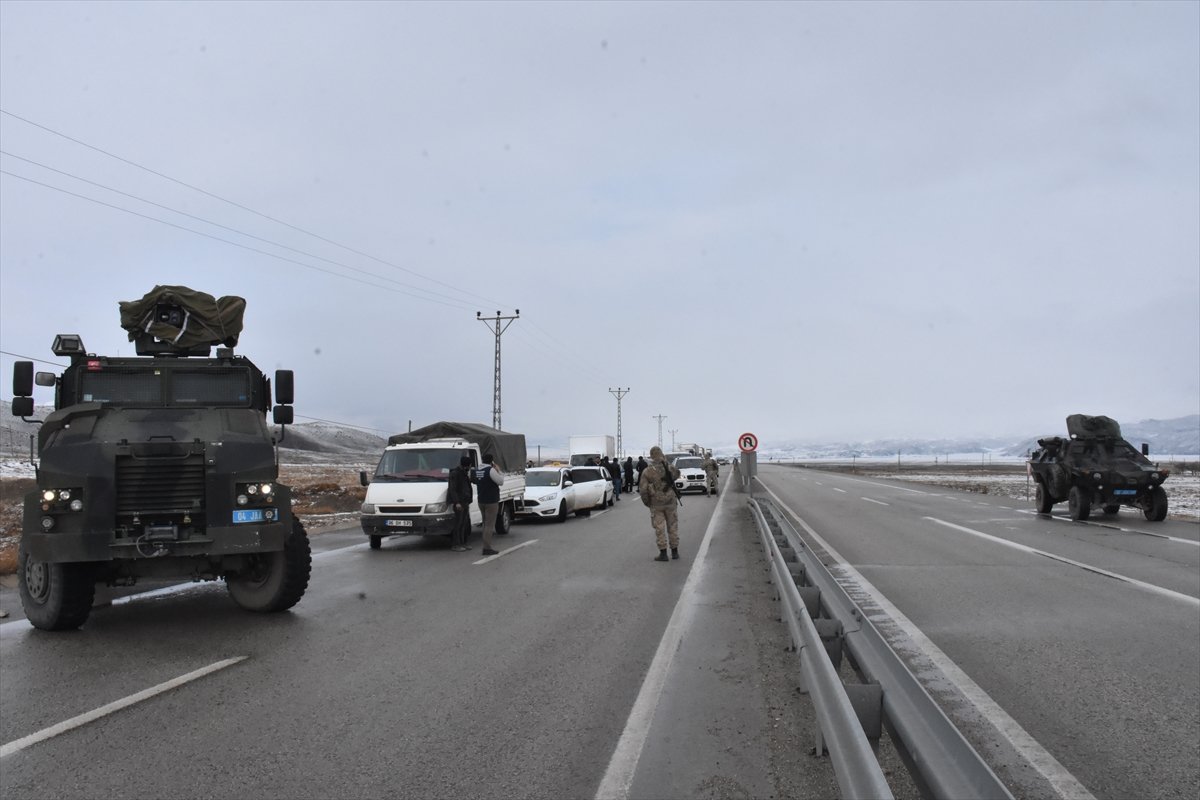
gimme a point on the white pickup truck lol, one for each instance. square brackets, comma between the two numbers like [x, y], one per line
[406, 496]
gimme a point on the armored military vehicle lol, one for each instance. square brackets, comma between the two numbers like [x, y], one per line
[1095, 467]
[159, 466]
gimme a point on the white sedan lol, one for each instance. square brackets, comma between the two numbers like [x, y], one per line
[549, 494]
[593, 488]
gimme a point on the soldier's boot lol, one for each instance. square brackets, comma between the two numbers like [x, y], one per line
[674, 552]
[662, 556]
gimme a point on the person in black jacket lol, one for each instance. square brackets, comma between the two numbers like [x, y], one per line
[641, 467]
[458, 497]
[629, 485]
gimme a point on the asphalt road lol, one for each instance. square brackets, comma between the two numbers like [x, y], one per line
[413, 671]
[1087, 635]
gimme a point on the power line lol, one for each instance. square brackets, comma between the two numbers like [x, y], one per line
[31, 358]
[235, 244]
[243, 207]
[226, 227]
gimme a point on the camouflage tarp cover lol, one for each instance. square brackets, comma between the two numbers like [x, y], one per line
[207, 320]
[1081, 426]
[508, 448]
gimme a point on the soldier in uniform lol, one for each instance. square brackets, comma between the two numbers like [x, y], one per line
[711, 470]
[657, 490]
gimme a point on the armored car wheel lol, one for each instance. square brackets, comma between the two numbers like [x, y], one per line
[274, 581]
[1079, 503]
[1156, 505]
[1042, 499]
[56, 597]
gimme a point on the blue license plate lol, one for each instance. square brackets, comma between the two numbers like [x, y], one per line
[244, 515]
[1124, 491]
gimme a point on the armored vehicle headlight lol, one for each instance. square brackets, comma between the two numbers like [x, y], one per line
[64, 494]
[267, 489]
[1096, 476]
[47, 523]
[252, 489]
[49, 495]
[435, 508]
[77, 504]
[242, 499]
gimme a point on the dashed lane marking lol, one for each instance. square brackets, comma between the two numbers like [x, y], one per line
[1149, 587]
[836, 489]
[1061, 518]
[872, 500]
[486, 559]
[91, 716]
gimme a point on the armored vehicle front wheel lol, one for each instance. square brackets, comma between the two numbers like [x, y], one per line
[1079, 503]
[1156, 506]
[56, 597]
[1042, 499]
[274, 581]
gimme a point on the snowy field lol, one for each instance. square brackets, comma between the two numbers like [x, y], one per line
[1010, 479]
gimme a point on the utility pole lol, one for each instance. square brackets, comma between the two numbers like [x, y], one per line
[660, 418]
[498, 330]
[619, 393]
[673, 431]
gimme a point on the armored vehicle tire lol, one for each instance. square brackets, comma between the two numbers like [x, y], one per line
[504, 519]
[1111, 509]
[376, 542]
[274, 581]
[1043, 499]
[1156, 507]
[1079, 503]
[562, 512]
[56, 597]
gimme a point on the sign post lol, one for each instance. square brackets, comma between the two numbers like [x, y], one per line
[748, 444]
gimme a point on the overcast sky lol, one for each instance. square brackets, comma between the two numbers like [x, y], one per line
[810, 221]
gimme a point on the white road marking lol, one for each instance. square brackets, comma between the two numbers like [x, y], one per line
[884, 485]
[1149, 587]
[880, 502]
[1066, 785]
[818, 483]
[836, 489]
[486, 559]
[91, 716]
[1090, 524]
[621, 767]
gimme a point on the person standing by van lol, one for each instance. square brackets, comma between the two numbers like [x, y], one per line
[488, 480]
[458, 495]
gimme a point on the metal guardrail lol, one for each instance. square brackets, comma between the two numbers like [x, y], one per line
[945, 762]
[858, 772]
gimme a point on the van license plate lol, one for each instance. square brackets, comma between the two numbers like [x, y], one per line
[399, 523]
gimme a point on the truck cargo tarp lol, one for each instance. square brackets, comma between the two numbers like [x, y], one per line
[206, 319]
[508, 448]
[1081, 426]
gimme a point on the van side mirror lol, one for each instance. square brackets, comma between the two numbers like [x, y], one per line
[362, 478]
[283, 415]
[285, 387]
[1145, 448]
[23, 378]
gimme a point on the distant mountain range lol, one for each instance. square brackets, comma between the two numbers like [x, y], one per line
[1180, 436]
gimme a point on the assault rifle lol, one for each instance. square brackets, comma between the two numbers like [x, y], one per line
[670, 482]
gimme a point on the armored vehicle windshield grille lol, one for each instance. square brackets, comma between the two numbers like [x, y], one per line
[149, 484]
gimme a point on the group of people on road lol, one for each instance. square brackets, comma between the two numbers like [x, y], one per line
[489, 479]
[654, 482]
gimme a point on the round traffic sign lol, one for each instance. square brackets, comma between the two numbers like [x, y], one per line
[748, 442]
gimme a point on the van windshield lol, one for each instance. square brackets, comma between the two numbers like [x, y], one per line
[417, 465]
